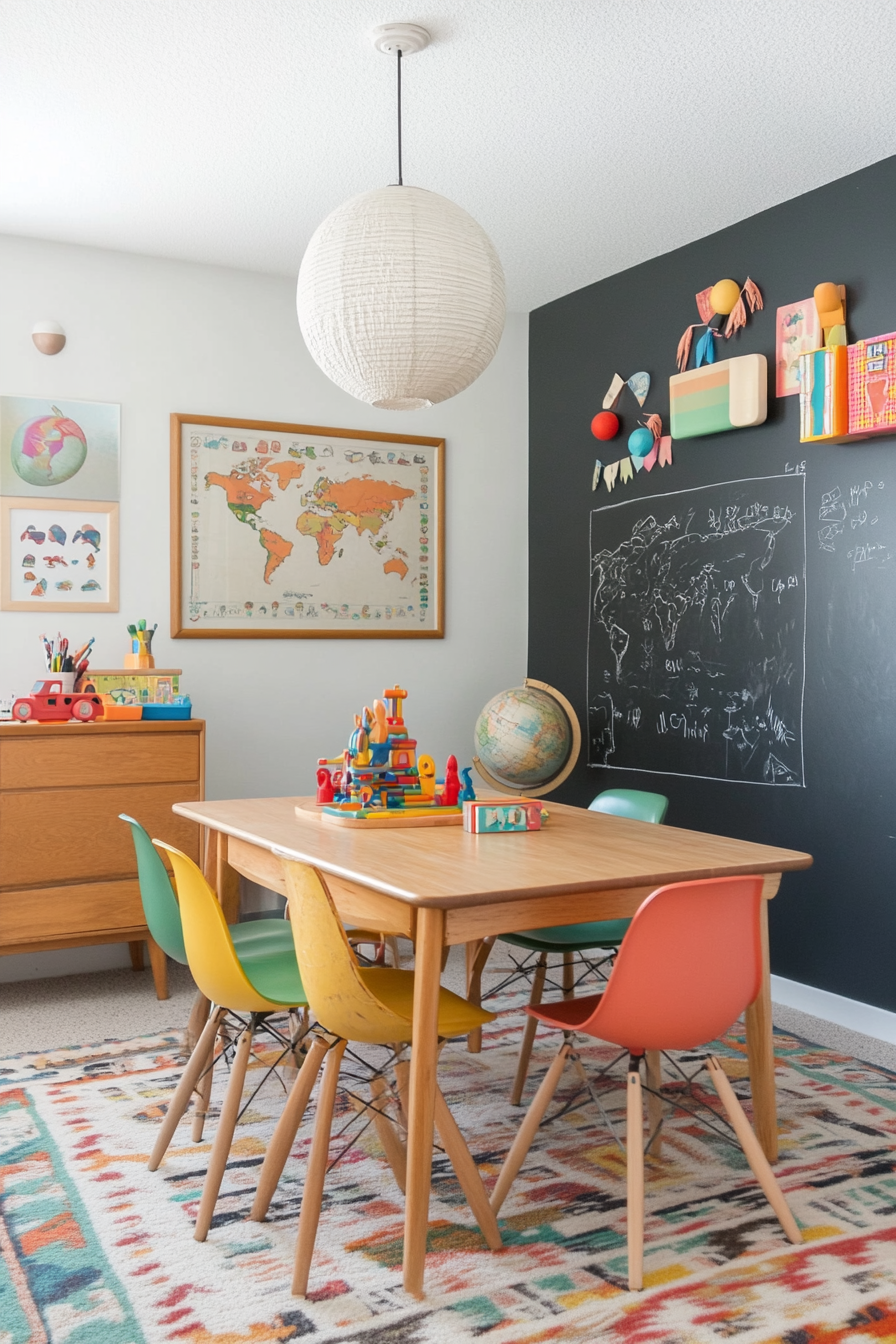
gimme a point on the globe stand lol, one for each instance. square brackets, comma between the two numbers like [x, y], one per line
[571, 760]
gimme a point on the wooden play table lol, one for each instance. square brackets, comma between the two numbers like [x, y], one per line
[444, 886]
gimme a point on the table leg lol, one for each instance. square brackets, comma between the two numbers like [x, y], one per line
[761, 1054]
[210, 856]
[227, 883]
[477, 954]
[424, 1057]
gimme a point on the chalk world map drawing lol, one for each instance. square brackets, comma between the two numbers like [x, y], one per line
[696, 647]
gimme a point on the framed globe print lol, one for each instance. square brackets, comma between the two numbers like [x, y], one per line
[302, 532]
[52, 447]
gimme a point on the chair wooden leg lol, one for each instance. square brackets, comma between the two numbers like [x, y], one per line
[634, 1161]
[522, 1067]
[654, 1078]
[203, 1092]
[753, 1150]
[181, 1099]
[159, 964]
[196, 1021]
[467, 1173]
[224, 1135]
[316, 1171]
[403, 1081]
[477, 954]
[568, 974]
[136, 950]
[528, 1129]
[396, 1153]
[287, 1128]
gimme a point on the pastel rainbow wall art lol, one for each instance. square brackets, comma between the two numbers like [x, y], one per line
[729, 394]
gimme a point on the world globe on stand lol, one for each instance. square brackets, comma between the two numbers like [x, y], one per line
[527, 739]
[49, 449]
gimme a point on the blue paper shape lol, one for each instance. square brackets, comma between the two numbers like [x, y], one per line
[706, 350]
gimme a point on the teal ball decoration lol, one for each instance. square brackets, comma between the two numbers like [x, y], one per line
[640, 442]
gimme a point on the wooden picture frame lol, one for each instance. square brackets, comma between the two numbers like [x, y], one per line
[55, 554]
[285, 531]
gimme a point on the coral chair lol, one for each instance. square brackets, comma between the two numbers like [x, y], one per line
[258, 984]
[690, 964]
[569, 939]
[370, 1006]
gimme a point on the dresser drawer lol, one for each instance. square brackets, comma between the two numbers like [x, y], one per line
[53, 913]
[83, 757]
[49, 837]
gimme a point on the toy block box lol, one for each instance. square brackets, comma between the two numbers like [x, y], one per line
[498, 816]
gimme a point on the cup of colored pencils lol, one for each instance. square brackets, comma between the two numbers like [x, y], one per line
[70, 667]
[141, 646]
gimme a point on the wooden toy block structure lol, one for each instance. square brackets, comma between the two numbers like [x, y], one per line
[381, 780]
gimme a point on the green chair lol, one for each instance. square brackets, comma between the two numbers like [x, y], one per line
[254, 940]
[569, 939]
[163, 913]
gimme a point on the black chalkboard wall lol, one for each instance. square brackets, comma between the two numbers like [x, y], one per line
[782, 729]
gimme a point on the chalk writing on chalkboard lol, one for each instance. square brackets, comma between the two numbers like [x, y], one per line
[846, 518]
[697, 632]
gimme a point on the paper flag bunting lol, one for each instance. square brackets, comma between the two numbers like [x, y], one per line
[610, 473]
[650, 459]
[638, 463]
[595, 479]
[626, 472]
[614, 391]
[640, 386]
[665, 447]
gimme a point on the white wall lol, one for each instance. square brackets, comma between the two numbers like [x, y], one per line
[161, 336]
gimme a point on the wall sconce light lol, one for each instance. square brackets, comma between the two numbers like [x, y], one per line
[48, 336]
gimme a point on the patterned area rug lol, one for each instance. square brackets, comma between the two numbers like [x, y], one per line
[95, 1249]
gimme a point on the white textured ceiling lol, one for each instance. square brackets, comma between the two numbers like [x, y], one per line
[584, 137]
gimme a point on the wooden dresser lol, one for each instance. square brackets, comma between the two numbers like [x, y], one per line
[68, 874]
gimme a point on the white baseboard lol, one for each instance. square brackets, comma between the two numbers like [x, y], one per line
[863, 1017]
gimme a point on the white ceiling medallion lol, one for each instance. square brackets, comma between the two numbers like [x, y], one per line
[401, 293]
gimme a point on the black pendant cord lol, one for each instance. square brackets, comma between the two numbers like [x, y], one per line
[400, 182]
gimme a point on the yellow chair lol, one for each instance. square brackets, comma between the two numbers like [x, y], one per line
[371, 1006]
[268, 983]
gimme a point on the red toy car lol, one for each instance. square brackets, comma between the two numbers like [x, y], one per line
[47, 702]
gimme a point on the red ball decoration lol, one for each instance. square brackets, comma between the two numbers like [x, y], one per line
[605, 425]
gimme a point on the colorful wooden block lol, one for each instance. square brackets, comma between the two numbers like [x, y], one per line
[731, 394]
[496, 816]
[824, 395]
[872, 385]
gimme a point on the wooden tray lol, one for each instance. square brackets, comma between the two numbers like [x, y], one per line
[378, 821]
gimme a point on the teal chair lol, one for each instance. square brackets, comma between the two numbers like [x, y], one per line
[569, 939]
[163, 913]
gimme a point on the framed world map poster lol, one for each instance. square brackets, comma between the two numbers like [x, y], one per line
[297, 531]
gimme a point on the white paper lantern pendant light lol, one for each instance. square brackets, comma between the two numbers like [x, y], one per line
[401, 293]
